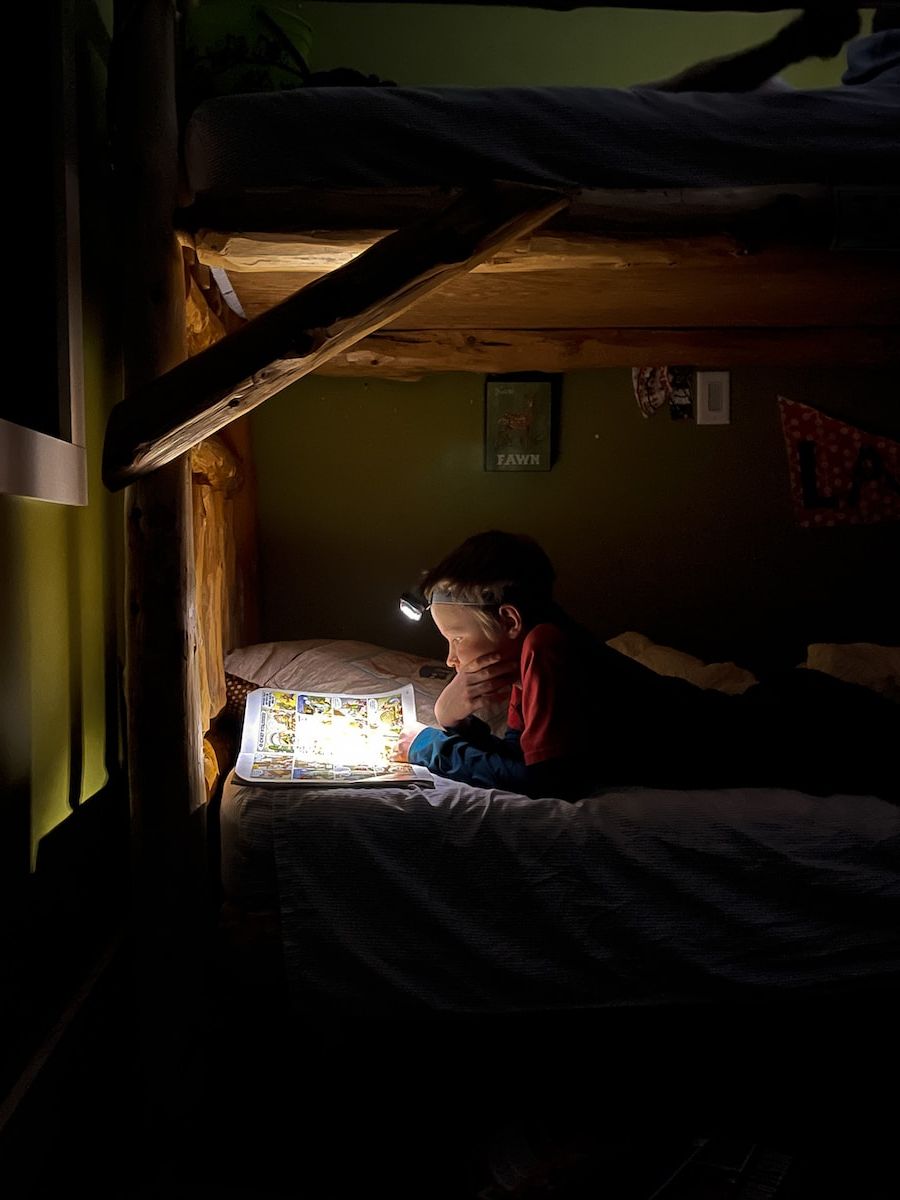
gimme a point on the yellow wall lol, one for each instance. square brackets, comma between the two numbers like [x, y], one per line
[58, 718]
[680, 531]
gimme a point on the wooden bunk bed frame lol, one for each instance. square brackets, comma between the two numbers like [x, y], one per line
[399, 283]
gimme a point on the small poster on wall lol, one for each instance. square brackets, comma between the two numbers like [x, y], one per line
[840, 475]
[518, 423]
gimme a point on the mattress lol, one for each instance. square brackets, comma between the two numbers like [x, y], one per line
[556, 136]
[462, 900]
[339, 664]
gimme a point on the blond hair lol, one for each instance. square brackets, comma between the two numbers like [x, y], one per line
[490, 569]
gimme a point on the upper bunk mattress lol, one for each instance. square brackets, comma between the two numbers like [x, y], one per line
[556, 136]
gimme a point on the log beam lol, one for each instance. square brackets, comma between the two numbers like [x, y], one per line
[573, 5]
[162, 698]
[203, 394]
[788, 211]
[240, 253]
[165, 759]
[409, 355]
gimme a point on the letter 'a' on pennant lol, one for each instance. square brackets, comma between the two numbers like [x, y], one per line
[839, 475]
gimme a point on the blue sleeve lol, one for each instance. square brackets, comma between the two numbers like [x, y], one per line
[469, 753]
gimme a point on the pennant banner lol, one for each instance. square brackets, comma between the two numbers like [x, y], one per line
[840, 475]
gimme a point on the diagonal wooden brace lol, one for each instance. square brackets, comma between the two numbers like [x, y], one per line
[201, 395]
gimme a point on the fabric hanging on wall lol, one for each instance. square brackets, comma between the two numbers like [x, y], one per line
[656, 386]
[651, 388]
[840, 475]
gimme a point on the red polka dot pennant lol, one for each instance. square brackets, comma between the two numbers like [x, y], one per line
[840, 475]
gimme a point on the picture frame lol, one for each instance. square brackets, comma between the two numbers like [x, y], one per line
[42, 428]
[520, 422]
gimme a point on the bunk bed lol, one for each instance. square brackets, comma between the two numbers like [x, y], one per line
[312, 262]
[692, 227]
[405, 230]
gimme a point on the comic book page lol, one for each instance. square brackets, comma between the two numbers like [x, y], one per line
[325, 738]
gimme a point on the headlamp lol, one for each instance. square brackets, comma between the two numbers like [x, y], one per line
[413, 606]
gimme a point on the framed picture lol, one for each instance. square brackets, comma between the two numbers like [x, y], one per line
[42, 451]
[520, 422]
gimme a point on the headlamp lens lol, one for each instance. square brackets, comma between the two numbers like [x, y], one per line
[412, 607]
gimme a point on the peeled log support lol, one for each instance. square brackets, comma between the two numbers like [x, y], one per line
[163, 739]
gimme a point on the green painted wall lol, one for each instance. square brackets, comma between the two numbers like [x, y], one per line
[59, 579]
[58, 565]
[454, 44]
[680, 531]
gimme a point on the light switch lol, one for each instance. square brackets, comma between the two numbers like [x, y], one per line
[713, 398]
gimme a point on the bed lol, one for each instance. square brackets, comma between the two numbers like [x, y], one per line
[259, 280]
[453, 899]
[406, 230]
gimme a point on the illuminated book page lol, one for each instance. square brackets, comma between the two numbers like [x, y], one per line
[327, 738]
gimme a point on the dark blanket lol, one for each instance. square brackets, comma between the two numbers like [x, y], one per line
[463, 900]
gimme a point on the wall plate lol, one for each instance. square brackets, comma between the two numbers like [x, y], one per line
[713, 398]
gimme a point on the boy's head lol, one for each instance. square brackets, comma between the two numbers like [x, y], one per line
[490, 570]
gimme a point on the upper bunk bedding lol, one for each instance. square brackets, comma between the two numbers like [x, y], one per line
[393, 231]
[699, 228]
[557, 136]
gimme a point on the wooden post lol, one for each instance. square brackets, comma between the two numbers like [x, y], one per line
[161, 690]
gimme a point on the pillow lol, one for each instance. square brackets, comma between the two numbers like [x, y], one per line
[723, 677]
[336, 665]
[863, 663]
[236, 692]
[342, 665]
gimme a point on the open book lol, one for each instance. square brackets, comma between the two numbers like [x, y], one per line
[324, 739]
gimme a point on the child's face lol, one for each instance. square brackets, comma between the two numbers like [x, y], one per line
[467, 638]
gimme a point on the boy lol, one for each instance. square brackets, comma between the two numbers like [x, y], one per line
[582, 716]
[574, 704]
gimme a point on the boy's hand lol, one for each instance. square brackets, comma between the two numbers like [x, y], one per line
[475, 685]
[407, 737]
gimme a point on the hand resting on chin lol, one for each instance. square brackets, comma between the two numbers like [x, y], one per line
[475, 686]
